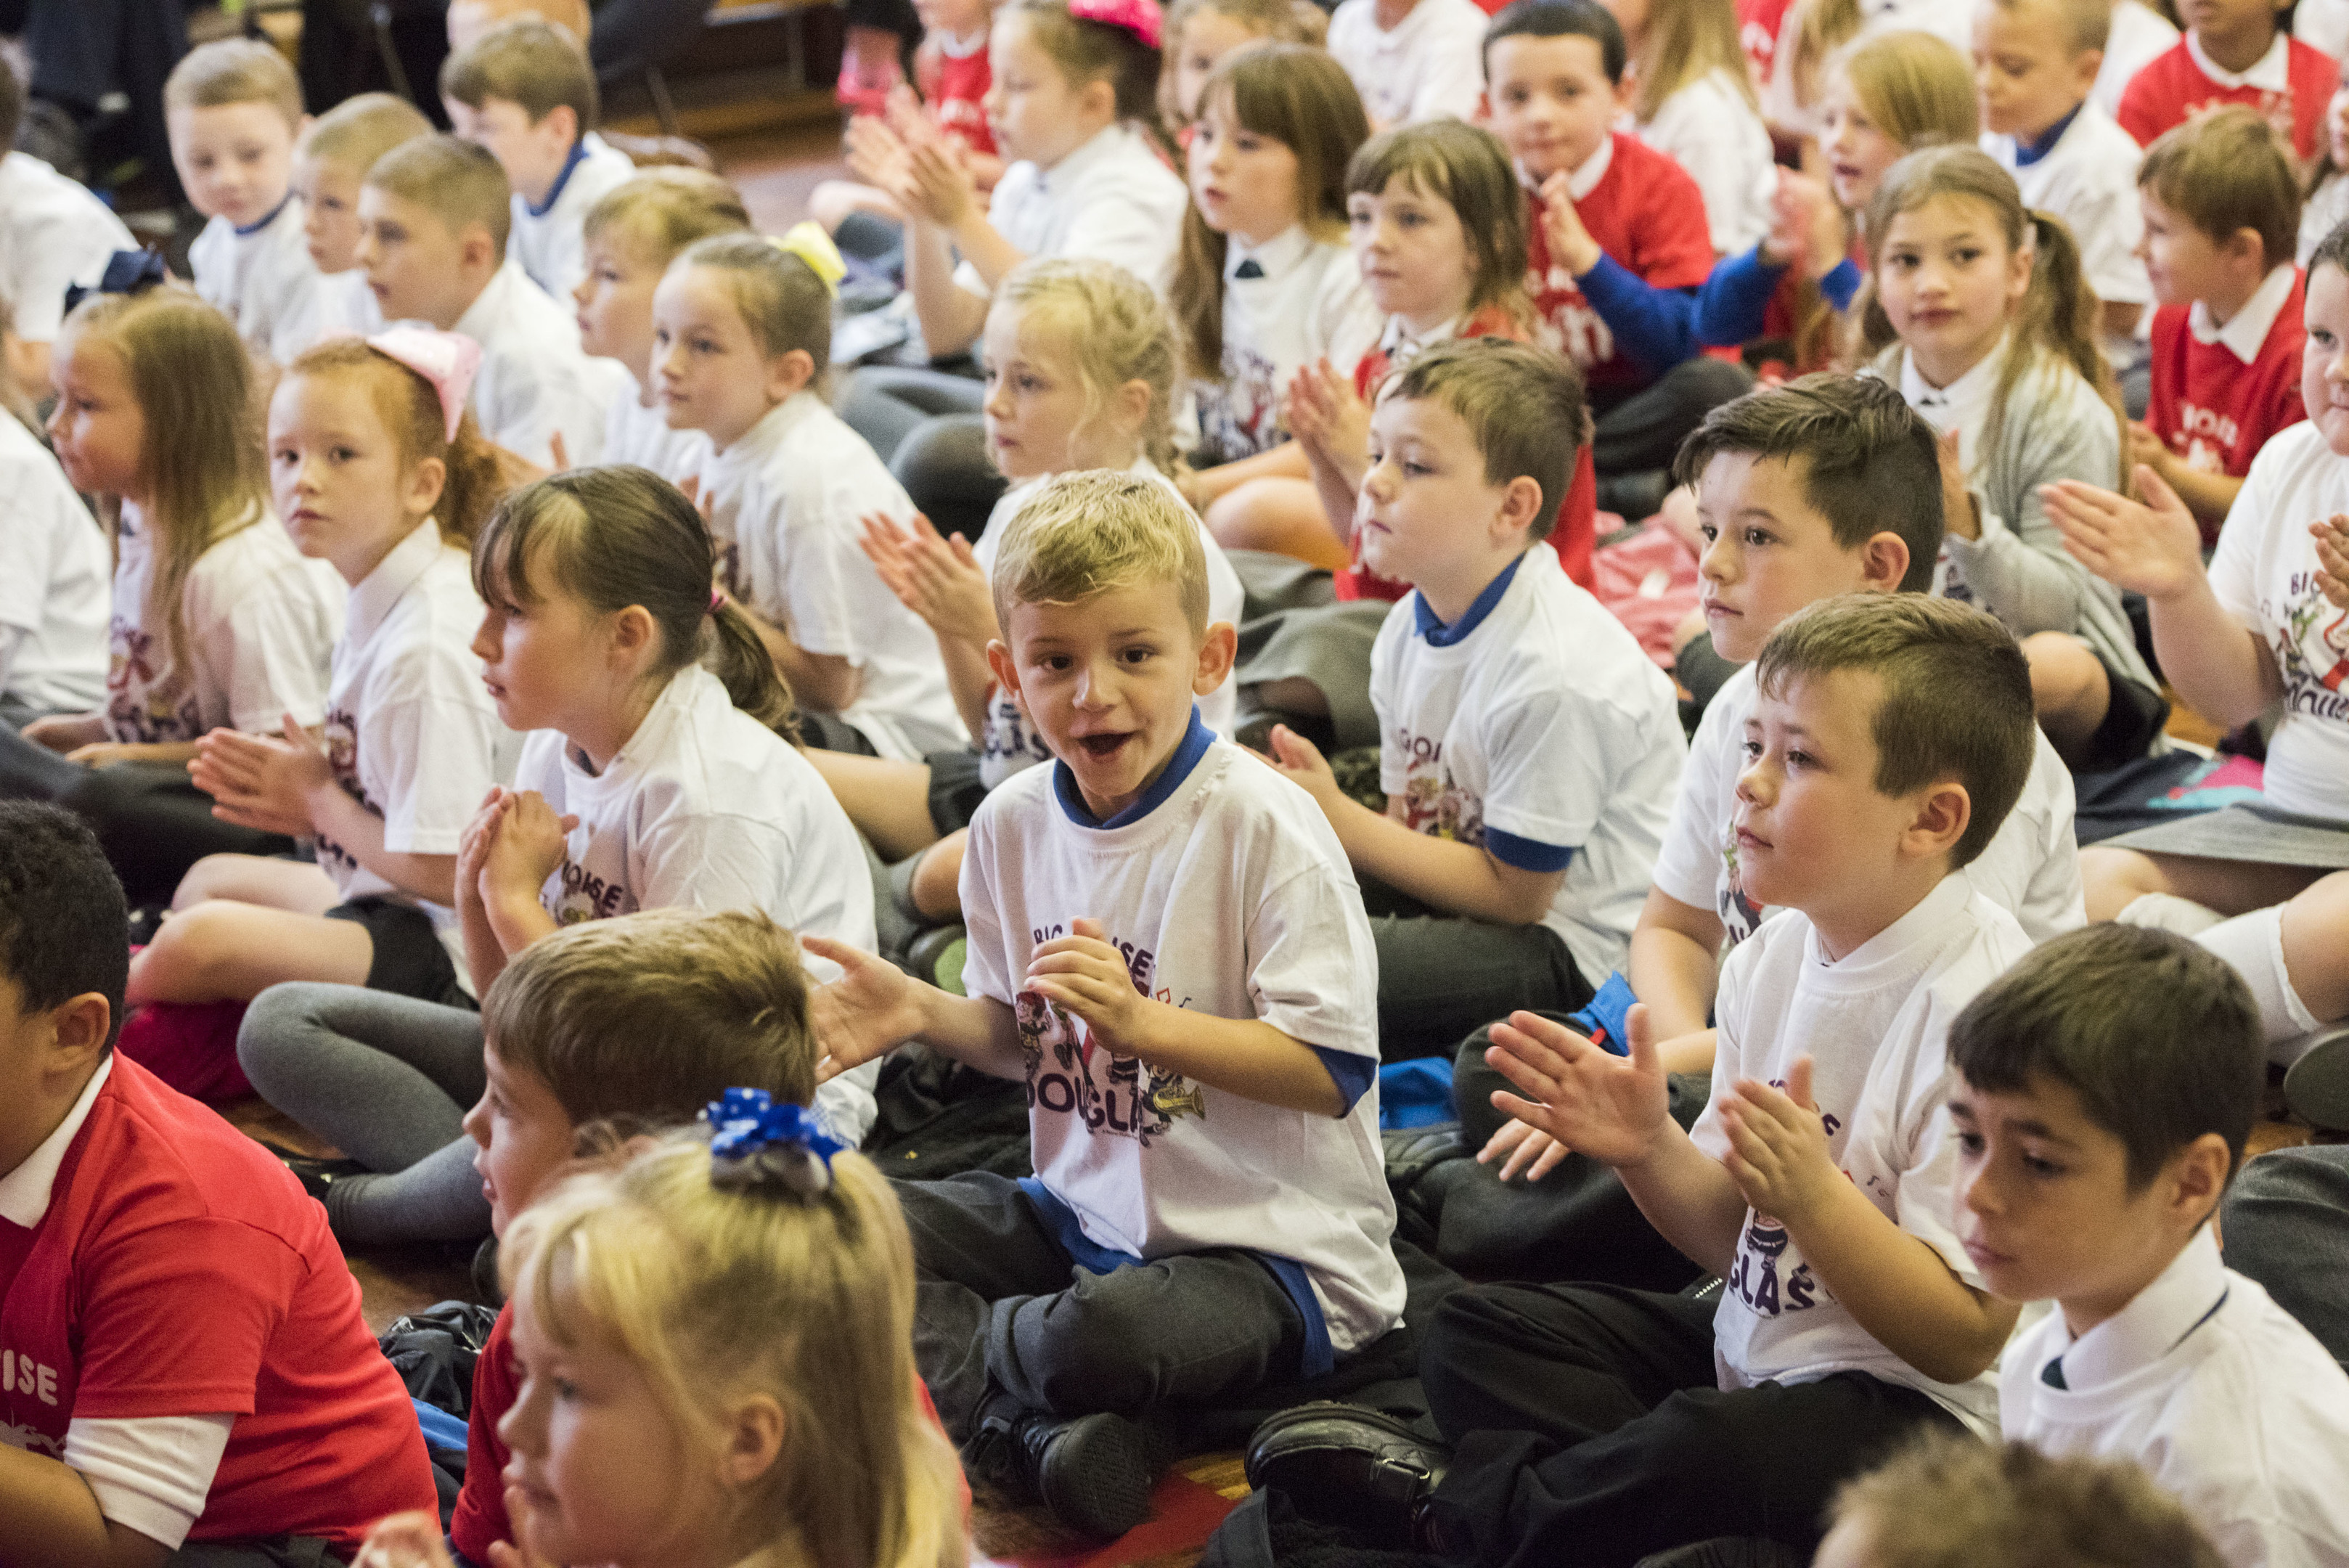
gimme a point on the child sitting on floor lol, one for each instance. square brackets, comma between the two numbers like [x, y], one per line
[2234, 51]
[1693, 99]
[235, 109]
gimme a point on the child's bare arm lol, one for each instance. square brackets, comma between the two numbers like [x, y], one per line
[1675, 963]
[951, 317]
[828, 683]
[1244, 1056]
[1894, 1286]
[875, 1007]
[50, 1519]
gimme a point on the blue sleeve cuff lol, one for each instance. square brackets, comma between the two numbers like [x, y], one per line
[1732, 307]
[1351, 1072]
[1528, 853]
[1655, 327]
[1841, 285]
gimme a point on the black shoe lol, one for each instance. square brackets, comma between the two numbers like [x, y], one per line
[145, 921]
[1094, 1472]
[1350, 1466]
[316, 1175]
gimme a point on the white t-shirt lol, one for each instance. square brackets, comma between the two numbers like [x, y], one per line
[1426, 65]
[1304, 300]
[1111, 200]
[1948, 20]
[410, 729]
[548, 241]
[2264, 573]
[1876, 1026]
[1229, 893]
[52, 590]
[533, 379]
[258, 278]
[2325, 210]
[335, 305]
[1719, 137]
[2030, 869]
[1011, 743]
[706, 808]
[1540, 726]
[2088, 179]
[784, 504]
[2222, 1396]
[2137, 37]
[641, 435]
[261, 618]
[53, 234]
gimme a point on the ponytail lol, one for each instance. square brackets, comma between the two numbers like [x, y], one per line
[738, 655]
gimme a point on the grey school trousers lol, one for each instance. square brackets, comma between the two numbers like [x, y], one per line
[2286, 1224]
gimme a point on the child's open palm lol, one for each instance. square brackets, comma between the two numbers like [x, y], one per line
[1570, 245]
[876, 153]
[939, 578]
[868, 1011]
[2152, 547]
[1778, 1152]
[936, 187]
[2333, 558]
[1609, 1107]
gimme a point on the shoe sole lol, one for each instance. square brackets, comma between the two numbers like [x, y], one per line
[2316, 1088]
[1098, 1475]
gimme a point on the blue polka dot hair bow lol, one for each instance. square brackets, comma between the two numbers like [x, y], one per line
[757, 1144]
[127, 272]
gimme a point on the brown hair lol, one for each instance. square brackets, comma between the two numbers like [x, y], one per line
[203, 468]
[619, 535]
[1086, 532]
[235, 70]
[1302, 99]
[1686, 41]
[1088, 52]
[358, 130]
[12, 103]
[647, 1018]
[2225, 170]
[665, 209]
[784, 302]
[1952, 1500]
[1280, 21]
[411, 410]
[1465, 166]
[2086, 24]
[1916, 87]
[1110, 326]
[1956, 700]
[1523, 406]
[529, 62]
[457, 181]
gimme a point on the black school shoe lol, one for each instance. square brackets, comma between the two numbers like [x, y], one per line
[316, 1175]
[1350, 1466]
[1094, 1472]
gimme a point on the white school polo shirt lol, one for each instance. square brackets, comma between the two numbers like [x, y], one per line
[1715, 134]
[258, 278]
[534, 380]
[784, 504]
[53, 234]
[635, 433]
[1424, 66]
[1287, 303]
[53, 582]
[335, 305]
[1111, 200]
[548, 241]
[2088, 177]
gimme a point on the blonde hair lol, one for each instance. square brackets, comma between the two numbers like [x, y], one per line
[1685, 42]
[411, 410]
[2056, 321]
[1916, 87]
[529, 62]
[717, 1295]
[1085, 52]
[665, 209]
[235, 70]
[1467, 167]
[2224, 169]
[358, 130]
[201, 468]
[1086, 532]
[2086, 24]
[1302, 99]
[1112, 329]
[1277, 21]
[457, 181]
[780, 297]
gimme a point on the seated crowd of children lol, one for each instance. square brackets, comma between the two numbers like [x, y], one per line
[476, 673]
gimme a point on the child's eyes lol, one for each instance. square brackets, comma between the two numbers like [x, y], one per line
[1415, 468]
[2039, 1166]
[341, 453]
[1759, 537]
[1971, 1143]
[1753, 750]
[1799, 758]
[1708, 532]
[1141, 653]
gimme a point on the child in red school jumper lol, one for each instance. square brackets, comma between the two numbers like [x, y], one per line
[2234, 51]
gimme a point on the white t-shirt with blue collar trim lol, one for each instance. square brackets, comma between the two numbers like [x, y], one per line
[549, 241]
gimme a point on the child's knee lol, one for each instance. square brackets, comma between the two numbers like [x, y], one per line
[2113, 879]
[938, 880]
[187, 952]
[2065, 678]
[210, 877]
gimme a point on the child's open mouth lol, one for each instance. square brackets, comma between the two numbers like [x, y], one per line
[1101, 748]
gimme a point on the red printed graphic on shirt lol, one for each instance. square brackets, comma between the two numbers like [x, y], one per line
[146, 704]
[2171, 90]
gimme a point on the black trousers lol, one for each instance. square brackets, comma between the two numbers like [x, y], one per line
[1588, 1429]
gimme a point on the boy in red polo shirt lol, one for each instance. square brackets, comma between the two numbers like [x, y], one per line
[2221, 215]
[1617, 239]
[182, 1355]
[2234, 51]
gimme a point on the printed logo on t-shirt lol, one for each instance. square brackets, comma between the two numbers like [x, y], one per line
[1567, 325]
[1759, 1276]
[142, 706]
[2203, 438]
[2313, 651]
[1434, 802]
[1111, 1094]
[1010, 745]
[342, 739]
[1239, 415]
[584, 895]
[26, 1386]
[2275, 108]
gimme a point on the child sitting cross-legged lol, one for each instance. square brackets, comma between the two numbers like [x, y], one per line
[186, 1363]
[1166, 945]
[1526, 746]
[1597, 1424]
[2103, 1091]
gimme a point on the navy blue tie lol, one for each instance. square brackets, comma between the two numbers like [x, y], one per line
[1248, 269]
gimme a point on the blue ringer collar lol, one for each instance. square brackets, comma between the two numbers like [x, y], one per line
[554, 192]
[258, 224]
[1195, 741]
[1439, 634]
[2028, 153]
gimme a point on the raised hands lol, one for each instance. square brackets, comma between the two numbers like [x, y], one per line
[261, 781]
[939, 579]
[1300, 762]
[1808, 228]
[1778, 1153]
[2152, 546]
[1570, 245]
[935, 187]
[1612, 1108]
[1329, 420]
[1957, 514]
[2333, 558]
[514, 843]
[1088, 977]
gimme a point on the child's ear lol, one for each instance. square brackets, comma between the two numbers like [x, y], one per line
[789, 372]
[1883, 562]
[634, 633]
[1098, 97]
[1006, 671]
[2086, 66]
[1218, 651]
[477, 248]
[1521, 501]
[1627, 88]
[561, 124]
[82, 1024]
[2197, 1177]
[1943, 810]
[1133, 402]
[2245, 245]
[754, 1436]
[424, 485]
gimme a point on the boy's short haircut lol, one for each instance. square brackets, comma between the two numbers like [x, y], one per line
[1559, 19]
[1956, 702]
[235, 70]
[2086, 24]
[358, 130]
[62, 913]
[458, 181]
[1084, 534]
[1867, 461]
[646, 1018]
[1522, 404]
[2156, 1034]
[1952, 1500]
[2225, 171]
[665, 209]
[530, 62]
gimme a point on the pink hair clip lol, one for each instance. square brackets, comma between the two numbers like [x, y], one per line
[1140, 17]
[449, 361]
[717, 600]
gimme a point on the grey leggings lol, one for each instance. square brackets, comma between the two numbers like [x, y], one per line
[387, 1079]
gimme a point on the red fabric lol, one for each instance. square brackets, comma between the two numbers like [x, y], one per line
[191, 1046]
[180, 1271]
[1650, 581]
[1646, 213]
[2212, 409]
[2171, 86]
[1759, 23]
[955, 92]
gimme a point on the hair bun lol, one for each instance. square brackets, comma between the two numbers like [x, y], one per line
[759, 1146]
